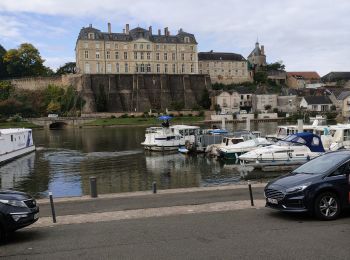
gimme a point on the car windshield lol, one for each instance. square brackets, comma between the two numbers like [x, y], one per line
[322, 164]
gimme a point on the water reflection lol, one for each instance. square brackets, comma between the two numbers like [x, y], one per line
[67, 158]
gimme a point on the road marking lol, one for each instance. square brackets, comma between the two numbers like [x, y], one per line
[148, 213]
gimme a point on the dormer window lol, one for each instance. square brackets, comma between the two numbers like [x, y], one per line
[91, 36]
[187, 39]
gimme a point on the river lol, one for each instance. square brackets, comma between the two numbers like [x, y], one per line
[65, 159]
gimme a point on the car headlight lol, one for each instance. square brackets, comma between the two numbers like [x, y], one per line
[14, 203]
[298, 188]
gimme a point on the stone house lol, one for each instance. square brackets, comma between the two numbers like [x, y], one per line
[245, 98]
[279, 77]
[223, 67]
[302, 79]
[260, 101]
[287, 104]
[343, 103]
[229, 102]
[135, 51]
[316, 103]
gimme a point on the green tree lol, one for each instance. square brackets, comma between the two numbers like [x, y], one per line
[276, 66]
[260, 77]
[5, 90]
[267, 107]
[69, 67]
[205, 101]
[53, 107]
[3, 71]
[25, 61]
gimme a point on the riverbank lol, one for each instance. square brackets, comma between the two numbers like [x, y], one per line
[22, 124]
[142, 121]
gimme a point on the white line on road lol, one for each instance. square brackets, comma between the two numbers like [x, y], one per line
[148, 213]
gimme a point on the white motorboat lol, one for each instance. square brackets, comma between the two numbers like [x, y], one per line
[299, 147]
[170, 138]
[15, 142]
[236, 138]
[231, 152]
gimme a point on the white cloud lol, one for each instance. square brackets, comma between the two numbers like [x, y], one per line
[56, 62]
[306, 35]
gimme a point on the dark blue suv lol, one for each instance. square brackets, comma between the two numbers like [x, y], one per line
[320, 186]
[17, 210]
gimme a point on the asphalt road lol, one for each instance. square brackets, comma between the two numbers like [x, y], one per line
[241, 234]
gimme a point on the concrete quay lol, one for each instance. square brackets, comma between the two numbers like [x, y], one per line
[199, 223]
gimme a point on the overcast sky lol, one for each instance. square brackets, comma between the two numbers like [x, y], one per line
[312, 35]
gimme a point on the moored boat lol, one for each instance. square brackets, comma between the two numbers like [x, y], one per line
[299, 147]
[169, 138]
[232, 152]
[15, 142]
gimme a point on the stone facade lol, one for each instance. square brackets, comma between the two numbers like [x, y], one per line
[142, 92]
[262, 100]
[228, 102]
[288, 104]
[226, 68]
[135, 51]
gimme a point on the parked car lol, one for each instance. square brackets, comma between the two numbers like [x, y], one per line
[17, 210]
[320, 186]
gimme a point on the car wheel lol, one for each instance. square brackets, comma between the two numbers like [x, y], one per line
[327, 206]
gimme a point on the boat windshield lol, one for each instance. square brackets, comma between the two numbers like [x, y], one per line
[322, 164]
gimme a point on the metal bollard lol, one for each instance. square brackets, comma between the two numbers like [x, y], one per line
[52, 208]
[93, 187]
[251, 194]
[154, 187]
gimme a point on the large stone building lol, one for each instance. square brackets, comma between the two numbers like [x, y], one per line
[135, 51]
[226, 68]
[257, 57]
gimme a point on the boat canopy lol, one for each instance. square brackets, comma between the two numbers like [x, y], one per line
[165, 117]
[312, 141]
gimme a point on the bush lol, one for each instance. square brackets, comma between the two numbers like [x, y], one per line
[180, 115]
[190, 115]
[113, 116]
[201, 113]
[124, 116]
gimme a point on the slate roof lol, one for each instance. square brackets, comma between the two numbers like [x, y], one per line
[343, 95]
[318, 100]
[135, 34]
[256, 51]
[218, 56]
[311, 75]
[334, 76]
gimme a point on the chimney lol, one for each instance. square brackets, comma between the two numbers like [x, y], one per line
[90, 25]
[159, 32]
[166, 31]
[127, 28]
[124, 31]
[262, 50]
[109, 28]
[150, 30]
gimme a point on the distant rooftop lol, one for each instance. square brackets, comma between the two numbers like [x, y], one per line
[137, 33]
[304, 74]
[335, 76]
[218, 56]
[318, 100]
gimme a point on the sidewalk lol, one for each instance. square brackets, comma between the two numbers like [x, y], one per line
[136, 205]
